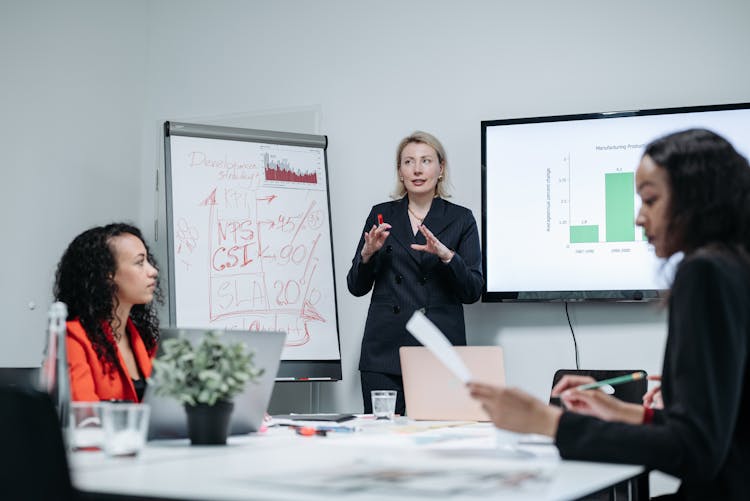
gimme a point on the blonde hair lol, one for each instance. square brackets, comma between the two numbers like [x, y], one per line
[431, 141]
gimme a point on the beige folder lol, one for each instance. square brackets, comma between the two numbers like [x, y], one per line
[432, 392]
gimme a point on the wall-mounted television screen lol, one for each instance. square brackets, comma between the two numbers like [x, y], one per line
[559, 201]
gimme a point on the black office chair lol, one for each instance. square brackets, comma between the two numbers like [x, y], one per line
[33, 464]
[631, 392]
[628, 392]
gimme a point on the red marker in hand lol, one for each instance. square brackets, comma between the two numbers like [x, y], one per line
[380, 219]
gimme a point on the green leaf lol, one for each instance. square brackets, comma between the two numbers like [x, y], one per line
[207, 373]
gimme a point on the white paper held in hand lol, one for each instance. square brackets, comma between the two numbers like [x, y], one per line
[430, 336]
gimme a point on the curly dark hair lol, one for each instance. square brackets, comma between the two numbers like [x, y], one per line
[84, 281]
[710, 190]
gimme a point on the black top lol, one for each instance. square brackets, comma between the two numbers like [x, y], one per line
[140, 388]
[703, 434]
[404, 280]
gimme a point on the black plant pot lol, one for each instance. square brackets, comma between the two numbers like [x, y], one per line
[209, 424]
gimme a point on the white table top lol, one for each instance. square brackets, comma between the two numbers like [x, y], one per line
[413, 460]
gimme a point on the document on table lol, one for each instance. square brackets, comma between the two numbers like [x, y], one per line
[416, 475]
[430, 336]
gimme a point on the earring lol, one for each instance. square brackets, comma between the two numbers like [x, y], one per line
[440, 177]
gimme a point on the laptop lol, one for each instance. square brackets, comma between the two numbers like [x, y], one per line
[168, 417]
[433, 393]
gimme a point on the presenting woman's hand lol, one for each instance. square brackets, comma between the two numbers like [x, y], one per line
[433, 246]
[374, 240]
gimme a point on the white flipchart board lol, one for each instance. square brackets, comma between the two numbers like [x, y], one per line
[249, 239]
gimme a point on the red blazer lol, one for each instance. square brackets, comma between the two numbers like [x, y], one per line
[88, 380]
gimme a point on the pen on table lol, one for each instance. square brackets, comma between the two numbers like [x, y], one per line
[340, 429]
[612, 381]
[309, 431]
[322, 431]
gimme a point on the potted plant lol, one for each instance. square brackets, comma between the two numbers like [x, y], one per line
[205, 379]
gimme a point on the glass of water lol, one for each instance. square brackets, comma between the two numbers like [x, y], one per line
[383, 403]
[125, 428]
[86, 431]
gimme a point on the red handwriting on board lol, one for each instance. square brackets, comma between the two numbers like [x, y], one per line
[201, 159]
[235, 244]
[263, 261]
[227, 168]
[231, 257]
[187, 237]
[235, 231]
[242, 293]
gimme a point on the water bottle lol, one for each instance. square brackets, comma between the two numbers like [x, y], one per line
[54, 378]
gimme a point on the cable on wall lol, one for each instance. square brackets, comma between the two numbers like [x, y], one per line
[572, 333]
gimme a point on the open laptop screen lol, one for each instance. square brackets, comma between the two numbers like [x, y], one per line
[432, 392]
[168, 418]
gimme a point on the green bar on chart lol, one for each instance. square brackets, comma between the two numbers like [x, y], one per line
[619, 192]
[584, 234]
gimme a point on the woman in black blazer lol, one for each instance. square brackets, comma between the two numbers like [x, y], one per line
[695, 190]
[419, 252]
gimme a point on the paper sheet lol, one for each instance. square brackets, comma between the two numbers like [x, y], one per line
[430, 336]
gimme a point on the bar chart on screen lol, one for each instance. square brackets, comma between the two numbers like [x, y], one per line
[596, 205]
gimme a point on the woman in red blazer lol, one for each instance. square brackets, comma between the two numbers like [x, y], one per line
[108, 278]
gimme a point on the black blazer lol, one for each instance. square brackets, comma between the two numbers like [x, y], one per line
[703, 434]
[406, 280]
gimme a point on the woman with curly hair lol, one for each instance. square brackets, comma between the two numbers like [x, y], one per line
[108, 278]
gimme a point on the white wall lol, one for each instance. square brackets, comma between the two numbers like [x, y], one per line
[86, 84]
[72, 96]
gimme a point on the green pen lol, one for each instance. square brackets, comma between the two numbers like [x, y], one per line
[635, 376]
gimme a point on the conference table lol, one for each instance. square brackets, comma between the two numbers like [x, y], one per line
[397, 460]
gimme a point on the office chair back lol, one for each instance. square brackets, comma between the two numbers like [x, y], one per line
[628, 392]
[33, 464]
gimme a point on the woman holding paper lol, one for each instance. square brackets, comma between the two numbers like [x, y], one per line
[695, 190]
[108, 279]
[418, 252]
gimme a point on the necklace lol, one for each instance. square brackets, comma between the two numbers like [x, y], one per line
[420, 219]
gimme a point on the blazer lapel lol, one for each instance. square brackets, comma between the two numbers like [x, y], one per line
[437, 218]
[401, 228]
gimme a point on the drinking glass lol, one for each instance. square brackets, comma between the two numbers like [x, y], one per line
[125, 428]
[383, 403]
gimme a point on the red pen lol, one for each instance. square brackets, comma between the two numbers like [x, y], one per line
[380, 219]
